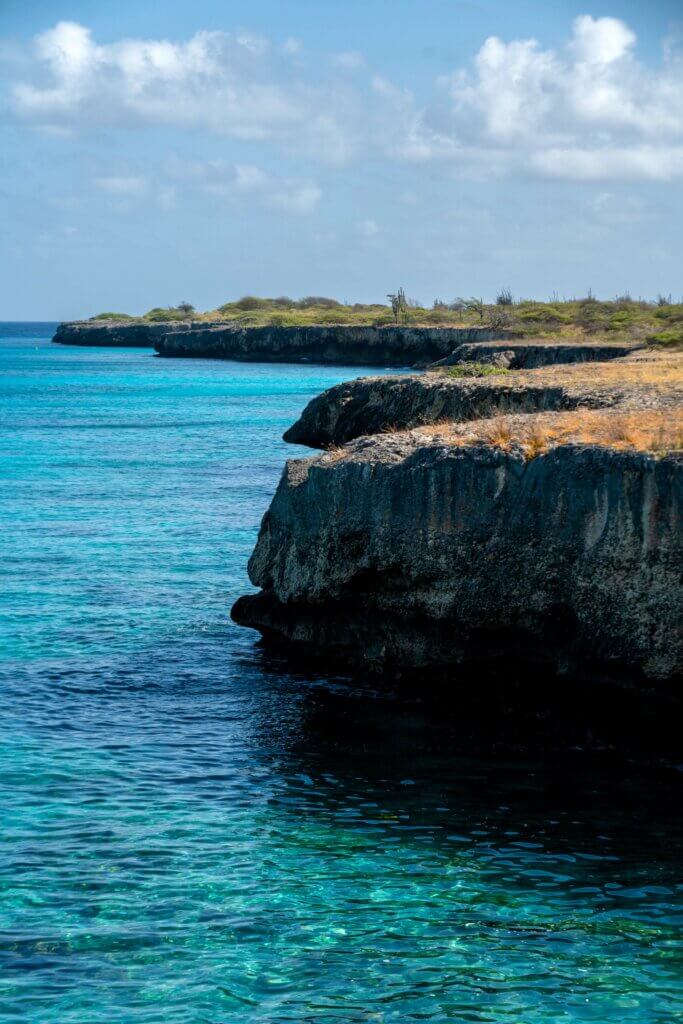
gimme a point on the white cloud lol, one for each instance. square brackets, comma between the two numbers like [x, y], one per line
[587, 111]
[122, 185]
[248, 177]
[610, 208]
[245, 185]
[227, 84]
[369, 228]
[301, 198]
[635, 163]
[168, 197]
[349, 60]
[292, 46]
[601, 40]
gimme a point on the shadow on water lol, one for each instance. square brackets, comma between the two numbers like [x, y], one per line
[568, 764]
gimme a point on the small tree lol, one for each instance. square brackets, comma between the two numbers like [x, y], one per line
[474, 305]
[504, 298]
[399, 305]
[186, 308]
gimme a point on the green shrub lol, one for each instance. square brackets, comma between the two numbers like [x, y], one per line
[671, 313]
[476, 370]
[318, 301]
[161, 313]
[539, 312]
[250, 302]
[670, 339]
[112, 316]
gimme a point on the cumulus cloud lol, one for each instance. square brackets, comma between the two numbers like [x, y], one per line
[293, 197]
[587, 111]
[124, 185]
[590, 113]
[369, 228]
[244, 185]
[228, 84]
[349, 60]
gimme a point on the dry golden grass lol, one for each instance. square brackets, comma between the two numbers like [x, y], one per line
[650, 368]
[658, 431]
[334, 452]
[664, 369]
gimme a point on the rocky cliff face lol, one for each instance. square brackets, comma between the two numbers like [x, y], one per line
[526, 355]
[335, 344]
[371, 405]
[400, 554]
[117, 334]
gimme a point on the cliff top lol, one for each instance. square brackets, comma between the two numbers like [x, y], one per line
[651, 369]
[644, 381]
[657, 432]
[574, 321]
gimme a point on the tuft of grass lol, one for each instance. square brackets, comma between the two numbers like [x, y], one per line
[498, 432]
[471, 369]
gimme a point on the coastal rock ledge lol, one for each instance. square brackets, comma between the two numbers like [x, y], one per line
[407, 552]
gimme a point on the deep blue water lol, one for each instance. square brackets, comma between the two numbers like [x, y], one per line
[194, 832]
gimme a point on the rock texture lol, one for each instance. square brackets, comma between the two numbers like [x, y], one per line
[334, 344]
[526, 355]
[116, 334]
[370, 405]
[400, 554]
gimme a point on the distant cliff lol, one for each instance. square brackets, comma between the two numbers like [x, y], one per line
[339, 344]
[327, 344]
[116, 334]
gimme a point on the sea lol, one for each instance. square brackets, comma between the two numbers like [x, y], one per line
[194, 830]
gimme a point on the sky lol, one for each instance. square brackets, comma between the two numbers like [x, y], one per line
[153, 153]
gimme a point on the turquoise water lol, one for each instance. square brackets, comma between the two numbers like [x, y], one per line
[192, 831]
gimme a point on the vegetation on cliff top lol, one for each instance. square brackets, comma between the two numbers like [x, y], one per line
[468, 369]
[659, 322]
[659, 431]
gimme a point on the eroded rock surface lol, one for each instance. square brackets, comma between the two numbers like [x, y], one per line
[402, 553]
[116, 334]
[371, 405]
[326, 344]
[527, 355]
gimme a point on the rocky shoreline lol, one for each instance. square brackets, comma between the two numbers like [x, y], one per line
[338, 344]
[117, 334]
[536, 519]
[323, 344]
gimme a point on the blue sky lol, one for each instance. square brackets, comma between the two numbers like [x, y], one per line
[154, 153]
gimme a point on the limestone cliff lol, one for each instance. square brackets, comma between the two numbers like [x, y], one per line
[116, 334]
[336, 344]
[370, 405]
[533, 516]
[400, 553]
